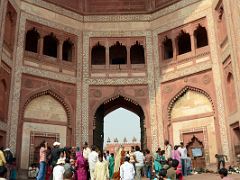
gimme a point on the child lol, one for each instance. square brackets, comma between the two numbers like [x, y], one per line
[33, 171]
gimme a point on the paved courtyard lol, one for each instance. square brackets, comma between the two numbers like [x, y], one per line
[209, 177]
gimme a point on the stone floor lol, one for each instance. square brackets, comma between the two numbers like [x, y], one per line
[209, 177]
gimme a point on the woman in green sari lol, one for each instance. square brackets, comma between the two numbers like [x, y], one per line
[159, 160]
[111, 165]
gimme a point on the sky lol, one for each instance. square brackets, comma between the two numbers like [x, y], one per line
[121, 123]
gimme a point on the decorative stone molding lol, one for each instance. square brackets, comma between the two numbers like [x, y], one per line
[124, 97]
[113, 18]
[206, 79]
[117, 81]
[187, 71]
[48, 74]
[182, 92]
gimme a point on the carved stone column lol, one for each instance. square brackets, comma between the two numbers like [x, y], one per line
[60, 50]
[40, 45]
[128, 57]
[107, 55]
[193, 43]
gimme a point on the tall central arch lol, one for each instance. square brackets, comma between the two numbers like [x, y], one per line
[111, 105]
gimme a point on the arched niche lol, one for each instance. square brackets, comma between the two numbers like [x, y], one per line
[201, 36]
[45, 108]
[50, 45]
[184, 42]
[45, 115]
[67, 50]
[167, 48]
[31, 41]
[98, 55]
[191, 103]
[191, 112]
[137, 54]
[118, 54]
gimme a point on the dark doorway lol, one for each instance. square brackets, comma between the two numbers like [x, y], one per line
[111, 105]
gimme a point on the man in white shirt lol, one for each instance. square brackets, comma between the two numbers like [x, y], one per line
[86, 151]
[92, 160]
[139, 162]
[59, 170]
[183, 151]
[127, 171]
[168, 150]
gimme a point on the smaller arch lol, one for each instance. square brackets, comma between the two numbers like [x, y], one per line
[118, 53]
[201, 36]
[50, 44]
[98, 54]
[67, 50]
[181, 93]
[167, 48]
[184, 43]
[137, 54]
[53, 94]
[31, 43]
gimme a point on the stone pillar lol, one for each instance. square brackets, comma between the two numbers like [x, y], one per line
[60, 50]
[161, 52]
[193, 43]
[107, 56]
[174, 46]
[155, 136]
[219, 84]
[128, 57]
[15, 91]
[40, 45]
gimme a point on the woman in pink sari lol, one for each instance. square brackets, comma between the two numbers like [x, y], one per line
[81, 167]
[176, 154]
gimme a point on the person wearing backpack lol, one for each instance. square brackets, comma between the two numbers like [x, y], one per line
[8, 156]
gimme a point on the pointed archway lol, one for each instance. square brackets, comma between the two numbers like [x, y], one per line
[111, 105]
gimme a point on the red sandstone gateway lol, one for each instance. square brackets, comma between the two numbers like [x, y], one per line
[65, 65]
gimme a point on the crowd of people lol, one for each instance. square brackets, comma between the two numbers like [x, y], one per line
[71, 163]
[7, 164]
[90, 163]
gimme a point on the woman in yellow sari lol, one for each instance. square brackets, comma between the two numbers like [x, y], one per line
[119, 160]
